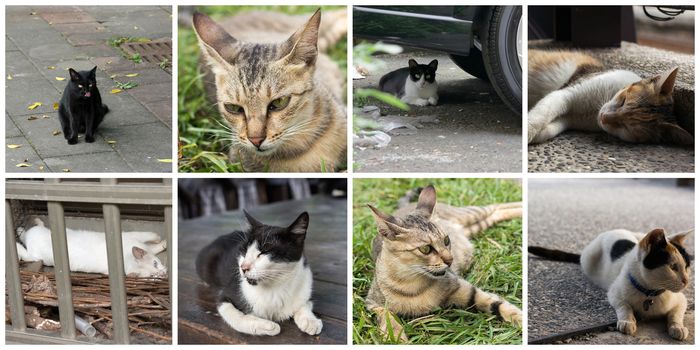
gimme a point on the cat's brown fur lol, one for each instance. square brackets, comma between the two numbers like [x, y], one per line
[310, 132]
[409, 282]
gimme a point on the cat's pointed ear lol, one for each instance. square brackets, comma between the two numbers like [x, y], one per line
[426, 201]
[655, 238]
[664, 82]
[412, 63]
[138, 252]
[302, 46]
[433, 64]
[251, 220]
[74, 76]
[679, 238]
[674, 134]
[386, 224]
[218, 46]
[300, 225]
[93, 73]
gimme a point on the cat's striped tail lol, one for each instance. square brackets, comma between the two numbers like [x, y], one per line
[554, 254]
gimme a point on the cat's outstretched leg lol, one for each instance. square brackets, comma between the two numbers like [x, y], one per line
[23, 254]
[307, 321]
[548, 109]
[675, 320]
[388, 325]
[247, 324]
[421, 102]
[552, 129]
[433, 101]
[626, 322]
[156, 248]
[468, 296]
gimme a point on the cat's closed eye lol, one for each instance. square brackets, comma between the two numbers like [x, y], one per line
[233, 109]
[279, 104]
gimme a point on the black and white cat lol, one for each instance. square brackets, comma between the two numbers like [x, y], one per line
[262, 277]
[81, 109]
[414, 84]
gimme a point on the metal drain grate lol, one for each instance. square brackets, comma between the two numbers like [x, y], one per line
[153, 52]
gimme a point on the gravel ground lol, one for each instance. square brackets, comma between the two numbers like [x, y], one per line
[476, 132]
[567, 214]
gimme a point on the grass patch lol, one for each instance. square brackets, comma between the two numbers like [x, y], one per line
[497, 266]
[202, 138]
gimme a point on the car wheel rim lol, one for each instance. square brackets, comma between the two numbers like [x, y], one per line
[519, 42]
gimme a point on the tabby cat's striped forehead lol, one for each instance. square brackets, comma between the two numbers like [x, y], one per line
[253, 61]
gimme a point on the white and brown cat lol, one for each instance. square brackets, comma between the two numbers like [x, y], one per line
[281, 98]
[573, 91]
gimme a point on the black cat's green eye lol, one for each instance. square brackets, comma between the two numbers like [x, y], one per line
[425, 249]
[232, 108]
[447, 240]
[279, 103]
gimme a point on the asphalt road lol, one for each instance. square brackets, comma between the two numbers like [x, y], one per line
[476, 132]
[567, 214]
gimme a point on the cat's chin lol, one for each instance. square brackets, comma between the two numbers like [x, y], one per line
[252, 281]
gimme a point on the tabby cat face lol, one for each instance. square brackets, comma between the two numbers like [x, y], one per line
[666, 264]
[419, 245]
[643, 112]
[263, 90]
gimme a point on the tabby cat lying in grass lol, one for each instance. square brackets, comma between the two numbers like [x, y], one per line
[281, 99]
[421, 252]
[574, 91]
[644, 275]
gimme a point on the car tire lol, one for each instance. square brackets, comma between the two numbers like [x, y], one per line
[472, 64]
[500, 53]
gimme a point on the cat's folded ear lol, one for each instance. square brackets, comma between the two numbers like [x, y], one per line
[218, 46]
[674, 134]
[138, 252]
[433, 64]
[300, 225]
[302, 46]
[664, 82]
[251, 220]
[74, 76]
[426, 201]
[386, 224]
[655, 238]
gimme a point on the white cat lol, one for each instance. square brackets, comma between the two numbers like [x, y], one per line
[87, 250]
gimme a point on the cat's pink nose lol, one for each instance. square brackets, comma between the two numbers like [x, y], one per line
[245, 267]
[256, 141]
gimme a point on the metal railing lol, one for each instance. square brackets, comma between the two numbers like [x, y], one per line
[110, 194]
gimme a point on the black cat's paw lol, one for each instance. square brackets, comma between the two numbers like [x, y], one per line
[73, 141]
[89, 139]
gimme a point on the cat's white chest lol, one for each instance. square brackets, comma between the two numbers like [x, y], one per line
[281, 301]
[414, 90]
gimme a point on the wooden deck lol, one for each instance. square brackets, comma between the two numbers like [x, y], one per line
[325, 249]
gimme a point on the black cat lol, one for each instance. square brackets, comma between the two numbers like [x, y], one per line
[81, 109]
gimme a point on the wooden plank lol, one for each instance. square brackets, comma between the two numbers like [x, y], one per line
[325, 249]
[14, 287]
[59, 242]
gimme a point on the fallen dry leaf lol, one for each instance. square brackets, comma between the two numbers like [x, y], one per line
[23, 165]
[13, 146]
[66, 170]
[55, 106]
[41, 167]
[32, 117]
[113, 76]
[165, 160]
[34, 105]
[131, 75]
[9, 77]
[51, 67]
[56, 132]
[115, 91]
[45, 116]
[60, 78]
[111, 142]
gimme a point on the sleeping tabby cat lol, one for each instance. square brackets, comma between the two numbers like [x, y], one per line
[573, 91]
[421, 252]
[281, 98]
[644, 275]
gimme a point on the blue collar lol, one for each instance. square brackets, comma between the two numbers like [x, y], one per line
[650, 293]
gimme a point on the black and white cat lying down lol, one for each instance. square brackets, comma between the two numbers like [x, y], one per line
[262, 277]
[415, 84]
[644, 275]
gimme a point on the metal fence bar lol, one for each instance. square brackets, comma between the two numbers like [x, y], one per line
[115, 263]
[14, 284]
[59, 241]
[169, 239]
[88, 193]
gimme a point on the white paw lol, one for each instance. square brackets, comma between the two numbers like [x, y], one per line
[432, 101]
[420, 102]
[677, 331]
[264, 327]
[515, 316]
[309, 325]
[627, 327]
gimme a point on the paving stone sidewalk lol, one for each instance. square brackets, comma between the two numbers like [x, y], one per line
[41, 43]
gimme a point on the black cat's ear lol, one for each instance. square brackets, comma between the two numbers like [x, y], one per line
[93, 73]
[412, 63]
[299, 226]
[656, 238]
[386, 224]
[74, 76]
[218, 46]
[433, 64]
[675, 135]
[664, 82]
[302, 46]
[426, 201]
[251, 220]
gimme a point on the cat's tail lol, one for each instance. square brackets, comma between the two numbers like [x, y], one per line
[554, 254]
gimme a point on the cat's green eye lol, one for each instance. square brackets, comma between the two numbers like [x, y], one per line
[425, 249]
[447, 240]
[232, 108]
[279, 103]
